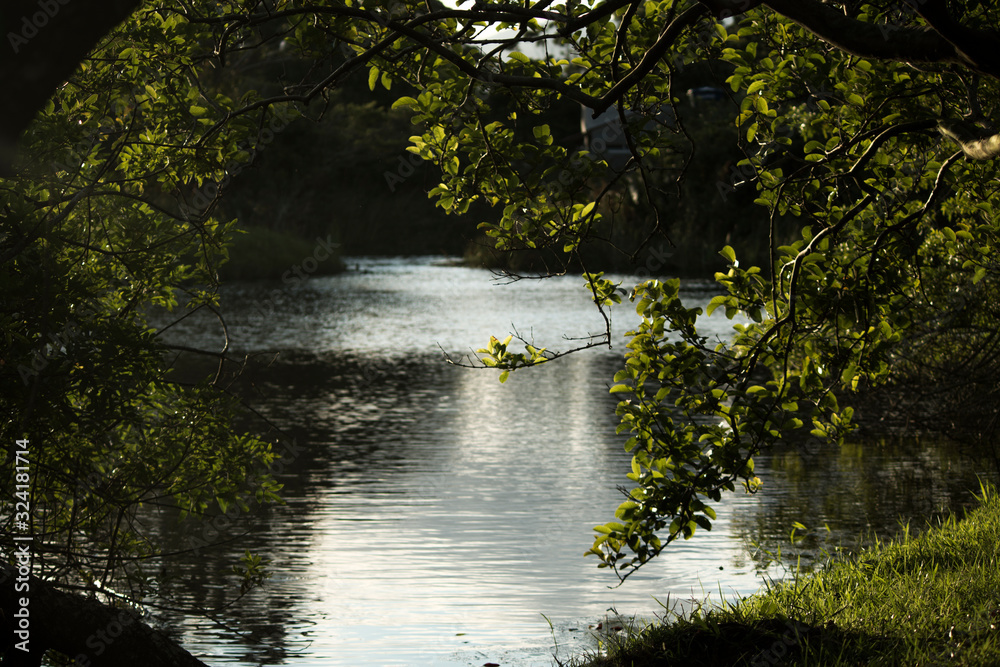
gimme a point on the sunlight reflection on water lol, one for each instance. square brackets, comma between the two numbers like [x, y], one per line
[435, 515]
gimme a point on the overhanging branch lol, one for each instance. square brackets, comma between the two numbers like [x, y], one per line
[975, 142]
[41, 50]
[884, 42]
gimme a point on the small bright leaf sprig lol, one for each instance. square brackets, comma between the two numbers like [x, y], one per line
[252, 570]
[604, 292]
[497, 356]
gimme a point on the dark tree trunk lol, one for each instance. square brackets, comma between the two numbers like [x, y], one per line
[93, 633]
[43, 43]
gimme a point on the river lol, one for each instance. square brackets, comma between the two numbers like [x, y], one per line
[434, 516]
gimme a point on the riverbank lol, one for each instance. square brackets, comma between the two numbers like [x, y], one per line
[258, 253]
[925, 599]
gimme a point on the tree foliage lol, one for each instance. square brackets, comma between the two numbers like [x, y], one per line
[869, 126]
[109, 217]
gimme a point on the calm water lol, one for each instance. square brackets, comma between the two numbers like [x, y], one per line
[437, 517]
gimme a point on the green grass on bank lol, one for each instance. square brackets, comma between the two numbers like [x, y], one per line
[932, 599]
[258, 253]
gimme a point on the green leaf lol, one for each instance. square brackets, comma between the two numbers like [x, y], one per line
[716, 301]
[404, 102]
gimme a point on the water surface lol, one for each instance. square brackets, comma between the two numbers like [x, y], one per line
[437, 517]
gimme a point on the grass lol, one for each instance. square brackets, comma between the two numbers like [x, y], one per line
[259, 253]
[931, 599]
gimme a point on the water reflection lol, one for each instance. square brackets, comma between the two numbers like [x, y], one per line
[392, 308]
[433, 515]
[847, 495]
[441, 515]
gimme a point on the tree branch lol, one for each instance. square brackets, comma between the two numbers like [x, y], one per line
[978, 46]
[975, 142]
[667, 38]
[887, 42]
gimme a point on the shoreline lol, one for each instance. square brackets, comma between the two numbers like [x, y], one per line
[921, 600]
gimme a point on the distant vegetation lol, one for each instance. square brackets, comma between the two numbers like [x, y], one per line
[259, 252]
[345, 173]
[348, 174]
